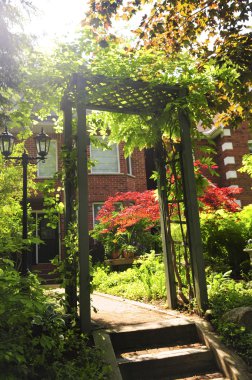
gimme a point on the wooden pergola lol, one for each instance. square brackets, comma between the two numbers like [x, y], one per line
[130, 97]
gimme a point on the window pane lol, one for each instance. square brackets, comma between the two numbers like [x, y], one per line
[129, 165]
[49, 167]
[96, 209]
[106, 160]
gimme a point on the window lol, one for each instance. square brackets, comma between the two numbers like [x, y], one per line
[96, 208]
[250, 146]
[129, 165]
[106, 161]
[48, 168]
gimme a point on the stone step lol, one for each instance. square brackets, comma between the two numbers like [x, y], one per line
[159, 350]
[46, 273]
[207, 376]
[180, 334]
[167, 364]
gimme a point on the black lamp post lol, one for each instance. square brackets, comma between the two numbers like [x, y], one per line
[6, 147]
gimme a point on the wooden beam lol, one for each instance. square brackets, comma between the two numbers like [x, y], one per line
[192, 213]
[70, 214]
[160, 163]
[82, 180]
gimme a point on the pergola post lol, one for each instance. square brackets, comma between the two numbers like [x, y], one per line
[70, 214]
[165, 235]
[192, 213]
[82, 180]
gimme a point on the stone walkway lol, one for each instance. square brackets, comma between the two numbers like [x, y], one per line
[118, 314]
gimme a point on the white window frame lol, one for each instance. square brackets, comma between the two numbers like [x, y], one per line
[56, 161]
[93, 211]
[118, 161]
[129, 160]
[250, 146]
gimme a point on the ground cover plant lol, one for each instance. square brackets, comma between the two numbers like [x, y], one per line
[226, 294]
[37, 341]
[145, 280]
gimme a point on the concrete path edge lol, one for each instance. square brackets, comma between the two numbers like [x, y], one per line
[231, 365]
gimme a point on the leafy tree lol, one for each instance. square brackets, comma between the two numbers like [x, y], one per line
[13, 44]
[216, 197]
[128, 219]
[155, 67]
[11, 241]
[212, 197]
[209, 29]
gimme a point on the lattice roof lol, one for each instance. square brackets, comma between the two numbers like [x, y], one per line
[122, 95]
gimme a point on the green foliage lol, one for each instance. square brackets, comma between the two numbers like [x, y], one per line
[53, 206]
[224, 295]
[155, 67]
[72, 249]
[246, 165]
[35, 341]
[10, 205]
[249, 244]
[208, 29]
[224, 237]
[13, 45]
[246, 217]
[144, 281]
[46, 77]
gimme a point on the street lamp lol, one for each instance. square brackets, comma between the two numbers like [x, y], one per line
[6, 146]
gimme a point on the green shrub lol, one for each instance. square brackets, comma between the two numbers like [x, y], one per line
[144, 281]
[35, 341]
[224, 236]
[226, 294]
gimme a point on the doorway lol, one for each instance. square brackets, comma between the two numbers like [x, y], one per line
[43, 253]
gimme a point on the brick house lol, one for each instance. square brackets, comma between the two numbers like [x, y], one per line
[113, 173]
